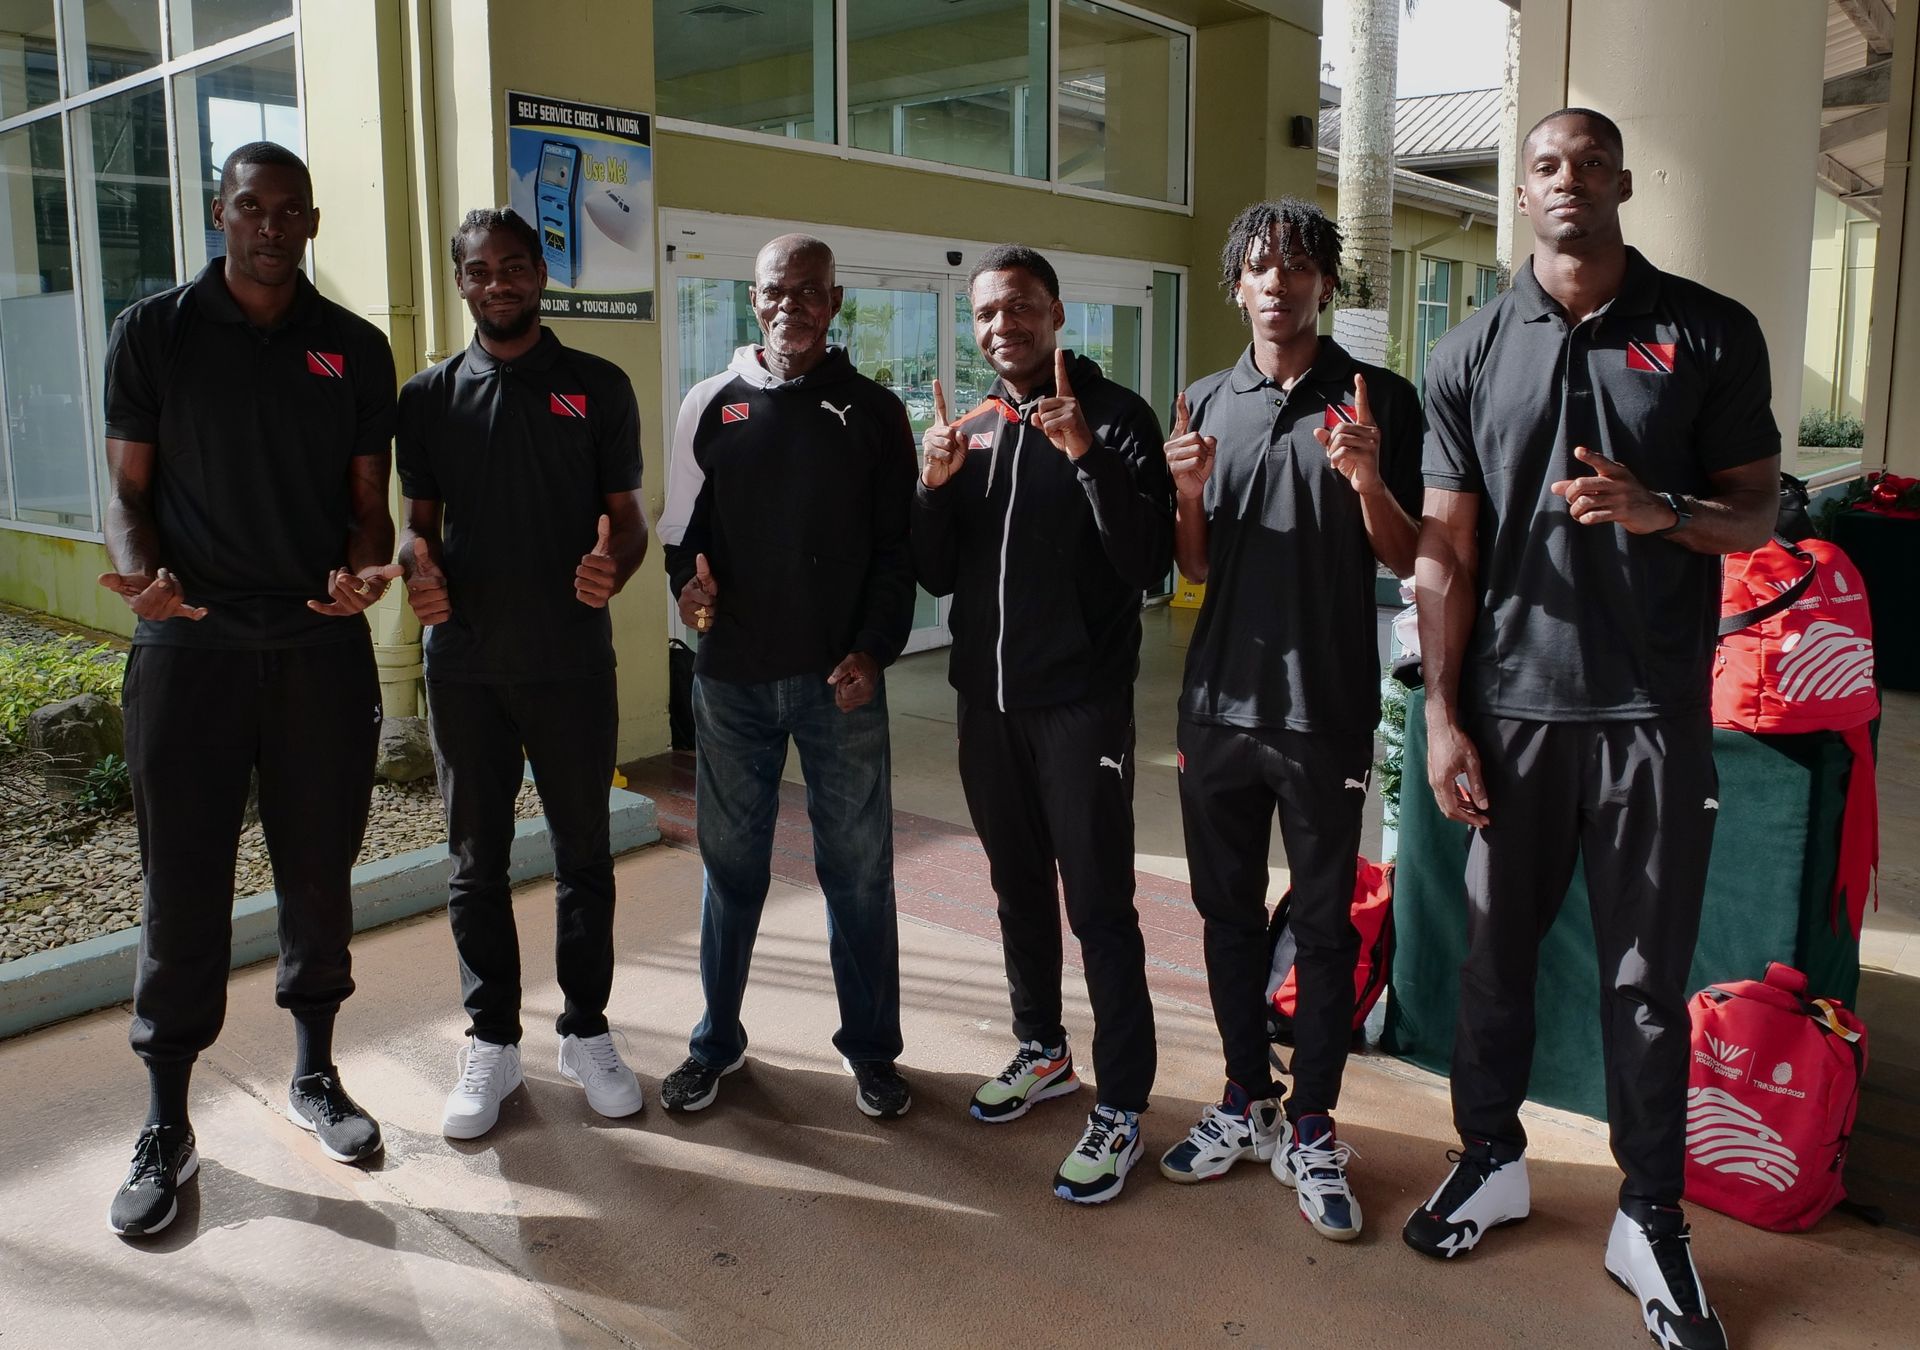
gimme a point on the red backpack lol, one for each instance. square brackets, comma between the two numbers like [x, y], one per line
[1372, 916]
[1770, 1103]
[1796, 655]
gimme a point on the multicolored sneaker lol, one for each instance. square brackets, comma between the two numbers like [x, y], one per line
[1650, 1255]
[1485, 1190]
[1034, 1074]
[1097, 1168]
[1237, 1128]
[1314, 1163]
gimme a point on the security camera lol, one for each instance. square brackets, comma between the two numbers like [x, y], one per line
[953, 257]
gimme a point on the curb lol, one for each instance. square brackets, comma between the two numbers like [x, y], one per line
[97, 973]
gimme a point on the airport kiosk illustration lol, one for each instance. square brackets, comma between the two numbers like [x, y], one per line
[559, 199]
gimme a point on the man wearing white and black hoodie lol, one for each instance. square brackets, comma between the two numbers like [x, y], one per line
[1046, 512]
[786, 544]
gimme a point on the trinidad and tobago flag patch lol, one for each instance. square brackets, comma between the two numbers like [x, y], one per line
[1341, 412]
[1654, 357]
[327, 365]
[567, 405]
[732, 412]
[980, 440]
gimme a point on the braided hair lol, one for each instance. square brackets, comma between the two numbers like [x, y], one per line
[1288, 222]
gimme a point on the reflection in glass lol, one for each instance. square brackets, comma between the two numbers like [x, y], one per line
[220, 108]
[754, 66]
[126, 176]
[1123, 103]
[201, 23]
[119, 38]
[715, 318]
[45, 430]
[29, 77]
[954, 86]
[891, 337]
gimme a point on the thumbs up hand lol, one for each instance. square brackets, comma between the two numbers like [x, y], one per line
[597, 577]
[1059, 415]
[698, 596]
[426, 585]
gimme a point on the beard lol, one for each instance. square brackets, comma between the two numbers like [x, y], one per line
[513, 328]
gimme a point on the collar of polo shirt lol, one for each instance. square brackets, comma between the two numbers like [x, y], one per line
[1331, 365]
[541, 356]
[1639, 290]
[217, 303]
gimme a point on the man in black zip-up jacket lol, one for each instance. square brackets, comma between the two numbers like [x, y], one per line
[1046, 512]
[786, 542]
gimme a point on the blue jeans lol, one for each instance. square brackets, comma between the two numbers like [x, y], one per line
[742, 732]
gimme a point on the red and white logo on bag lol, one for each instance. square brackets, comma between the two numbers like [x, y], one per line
[1727, 1136]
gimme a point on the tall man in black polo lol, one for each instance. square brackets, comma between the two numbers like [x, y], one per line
[1296, 472]
[786, 537]
[248, 429]
[520, 461]
[1598, 436]
[1045, 512]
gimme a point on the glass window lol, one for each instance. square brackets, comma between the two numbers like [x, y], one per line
[108, 40]
[29, 72]
[954, 87]
[1433, 311]
[1123, 103]
[44, 435]
[124, 158]
[751, 65]
[1166, 345]
[1486, 285]
[201, 23]
[1108, 335]
[220, 108]
[715, 319]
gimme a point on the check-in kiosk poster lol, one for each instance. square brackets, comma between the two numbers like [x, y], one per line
[583, 175]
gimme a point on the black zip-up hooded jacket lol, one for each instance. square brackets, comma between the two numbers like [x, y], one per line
[798, 492]
[1047, 558]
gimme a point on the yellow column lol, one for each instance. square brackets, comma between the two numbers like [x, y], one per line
[1892, 410]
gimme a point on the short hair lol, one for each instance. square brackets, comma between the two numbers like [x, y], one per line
[1293, 224]
[263, 152]
[1004, 257]
[796, 246]
[1606, 127]
[484, 218]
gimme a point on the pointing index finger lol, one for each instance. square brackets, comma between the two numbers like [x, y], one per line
[939, 402]
[1061, 388]
[1600, 464]
[1180, 414]
[1362, 407]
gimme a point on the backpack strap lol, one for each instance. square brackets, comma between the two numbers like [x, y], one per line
[1746, 618]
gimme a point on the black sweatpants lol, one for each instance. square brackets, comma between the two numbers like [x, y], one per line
[200, 722]
[1232, 781]
[1636, 801]
[568, 729]
[1053, 787]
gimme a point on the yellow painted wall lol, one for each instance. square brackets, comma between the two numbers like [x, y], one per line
[1839, 307]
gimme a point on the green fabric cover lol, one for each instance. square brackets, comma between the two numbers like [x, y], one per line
[1886, 549]
[1769, 888]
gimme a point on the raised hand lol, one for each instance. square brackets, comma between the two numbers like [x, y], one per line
[699, 596]
[155, 597]
[855, 681]
[354, 591]
[1189, 454]
[426, 585]
[597, 577]
[943, 450]
[1059, 416]
[1611, 495]
[1354, 447]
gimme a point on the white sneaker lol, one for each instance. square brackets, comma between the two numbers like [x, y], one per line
[1654, 1262]
[1480, 1193]
[595, 1064]
[488, 1073]
[1237, 1128]
[1314, 1162]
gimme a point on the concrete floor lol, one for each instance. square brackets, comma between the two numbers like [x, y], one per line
[784, 1217]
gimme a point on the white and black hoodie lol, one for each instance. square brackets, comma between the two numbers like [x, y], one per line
[798, 493]
[1047, 558]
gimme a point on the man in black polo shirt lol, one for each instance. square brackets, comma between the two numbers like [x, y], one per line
[1598, 436]
[520, 461]
[786, 537]
[1045, 513]
[248, 429]
[1295, 473]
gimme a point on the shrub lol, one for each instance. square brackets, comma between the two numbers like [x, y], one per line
[34, 674]
[107, 786]
[1832, 430]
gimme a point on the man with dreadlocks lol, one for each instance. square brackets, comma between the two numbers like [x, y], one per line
[1295, 472]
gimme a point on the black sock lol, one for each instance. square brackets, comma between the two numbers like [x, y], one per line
[167, 1092]
[312, 1044]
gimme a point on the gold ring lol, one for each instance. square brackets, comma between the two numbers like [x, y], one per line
[363, 587]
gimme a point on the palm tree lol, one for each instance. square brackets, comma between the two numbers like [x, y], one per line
[1366, 175]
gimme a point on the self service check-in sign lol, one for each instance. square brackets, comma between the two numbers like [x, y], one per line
[582, 175]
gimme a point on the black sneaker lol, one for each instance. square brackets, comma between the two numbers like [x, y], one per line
[318, 1103]
[148, 1200]
[1484, 1191]
[693, 1086]
[880, 1091]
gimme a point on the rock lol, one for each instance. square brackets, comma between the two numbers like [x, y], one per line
[75, 734]
[406, 751]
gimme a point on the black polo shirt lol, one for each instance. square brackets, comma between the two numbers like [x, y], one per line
[1589, 622]
[254, 433]
[522, 456]
[1287, 636]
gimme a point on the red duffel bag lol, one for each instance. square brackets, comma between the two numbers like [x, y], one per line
[1771, 1099]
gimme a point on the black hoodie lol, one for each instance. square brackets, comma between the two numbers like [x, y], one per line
[1047, 558]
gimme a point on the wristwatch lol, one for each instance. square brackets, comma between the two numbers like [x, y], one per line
[1681, 513]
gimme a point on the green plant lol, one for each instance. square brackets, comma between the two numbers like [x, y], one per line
[1396, 355]
[1832, 430]
[1393, 744]
[34, 674]
[106, 788]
